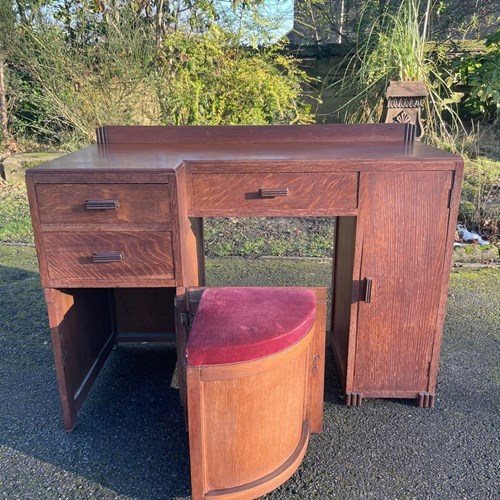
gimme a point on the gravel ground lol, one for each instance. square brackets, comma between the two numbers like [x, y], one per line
[130, 441]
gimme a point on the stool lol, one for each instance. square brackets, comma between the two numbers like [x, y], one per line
[254, 380]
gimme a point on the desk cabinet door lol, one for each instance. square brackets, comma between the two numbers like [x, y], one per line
[404, 218]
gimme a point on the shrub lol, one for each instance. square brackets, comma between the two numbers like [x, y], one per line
[480, 205]
[120, 72]
[397, 48]
[214, 79]
[480, 74]
[72, 88]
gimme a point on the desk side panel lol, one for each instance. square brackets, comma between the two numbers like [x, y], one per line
[343, 293]
[452, 221]
[37, 232]
[187, 234]
[82, 333]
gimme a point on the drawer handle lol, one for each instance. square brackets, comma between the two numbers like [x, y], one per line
[273, 193]
[101, 204]
[100, 257]
[368, 290]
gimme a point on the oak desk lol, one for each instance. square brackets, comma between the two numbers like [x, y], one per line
[118, 231]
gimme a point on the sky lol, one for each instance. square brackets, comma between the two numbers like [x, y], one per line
[278, 15]
[282, 11]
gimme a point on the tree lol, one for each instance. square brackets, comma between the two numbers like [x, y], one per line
[86, 64]
[7, 30]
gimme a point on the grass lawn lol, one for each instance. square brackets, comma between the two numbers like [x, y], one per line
[15, 223]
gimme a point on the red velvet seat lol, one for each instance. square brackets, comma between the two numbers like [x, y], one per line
[240, 324]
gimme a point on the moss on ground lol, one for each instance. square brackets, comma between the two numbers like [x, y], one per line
[474, 298]
[15, 166]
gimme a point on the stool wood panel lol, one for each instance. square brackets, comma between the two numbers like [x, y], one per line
[186, 306]
[249, 422]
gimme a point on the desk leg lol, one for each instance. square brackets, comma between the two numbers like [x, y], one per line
[317, 368]
[82, 338]
[186, 303]
[346, 283]
[181, 313]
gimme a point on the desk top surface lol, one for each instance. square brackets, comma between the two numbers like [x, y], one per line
[168, 156]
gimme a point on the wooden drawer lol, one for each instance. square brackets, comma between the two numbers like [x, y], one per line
[103, 203]
[262, 194]
[82, 258]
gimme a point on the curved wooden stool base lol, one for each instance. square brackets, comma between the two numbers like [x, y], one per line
[271, 481]
[250, 420]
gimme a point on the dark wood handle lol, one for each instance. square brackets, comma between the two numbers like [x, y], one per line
[101, 257]
[368, 290]
[273, 193]
[101, 204]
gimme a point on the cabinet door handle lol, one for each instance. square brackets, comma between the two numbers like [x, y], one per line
[101, 204]
[368, 290]
[101, 257]
[273, 193]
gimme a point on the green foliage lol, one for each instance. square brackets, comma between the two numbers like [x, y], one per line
[15, 222]
[253, 237]
[480, 73]
[480, 205]
[72, 88]
[396, 48]
[77, 69]
[213, 79]
[32, 115]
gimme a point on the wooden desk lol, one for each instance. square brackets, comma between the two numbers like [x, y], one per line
[118, 231]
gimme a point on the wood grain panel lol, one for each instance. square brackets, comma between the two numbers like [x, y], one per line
[247, 408]
[452, 221]
[247, 134]
[246, 419]
[316, 373]
[405, 219]
[307, 194]
[146, 256]
[82, 338]
[141, 312]
[156, 163]
[344, 291]
[138, 203]
[187, 236]
[89, 166]
[37, 233]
